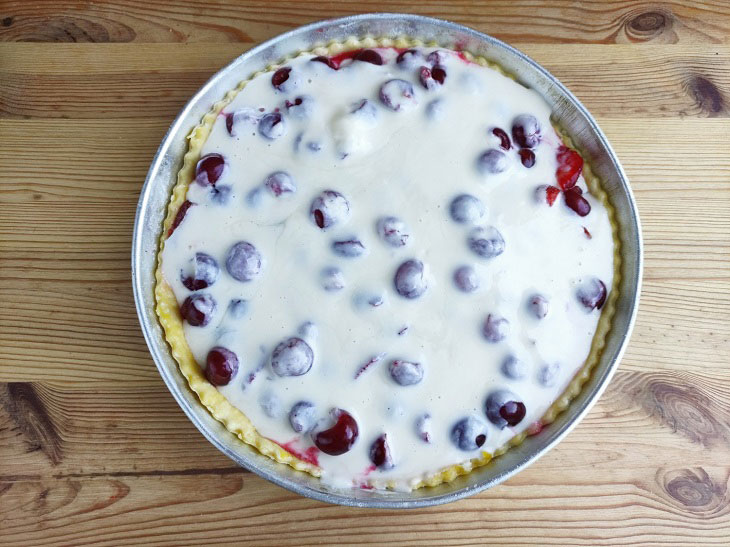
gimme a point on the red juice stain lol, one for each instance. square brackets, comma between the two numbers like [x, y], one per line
[310, 455]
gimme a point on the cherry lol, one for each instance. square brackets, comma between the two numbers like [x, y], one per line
[350, 248]
[301, 108]
[592, 294]
[380, 453]
[332, 279]
[469, 433]
[339, 438]
[424, 428]
[280, 183]
[220, 366]
[303, 417]
[271, 405]
[244, 262]
[467, 209]
[547, 376]
[238, 308]
[527, 157]
[398, 95]
[209, 169]
[466, 279]
[179, 217]
[575, 200]
[410, 280]
[406, 373]
[570, 166]
[492, 161]
[205, 272]
[504, 408]
[436, 57]
[431, 78]
[495, 328]
[198, 309]
[329, 209]
[407, 58]
[325, 60]
[392, 231]
[546, 194]
[279, 77]
[272, 126]
[503, 137]
[364, 109]
[486, 242]
[292, 357]
[538, 305]
[526, 131]
[241, 118]
[369, 56]
[514, 368]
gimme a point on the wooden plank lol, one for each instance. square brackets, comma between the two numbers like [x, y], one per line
[561, 21]
[69, 81]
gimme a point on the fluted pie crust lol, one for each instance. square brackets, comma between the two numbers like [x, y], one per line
[236, 421]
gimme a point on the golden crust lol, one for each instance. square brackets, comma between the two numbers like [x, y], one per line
[237, 422]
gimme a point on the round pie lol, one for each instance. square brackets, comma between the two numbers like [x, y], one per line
[382, 263]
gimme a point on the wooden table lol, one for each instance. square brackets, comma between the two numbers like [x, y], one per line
[93, 449]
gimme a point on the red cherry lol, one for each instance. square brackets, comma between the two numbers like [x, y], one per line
[280, 76]
[179, 216]
[369, 56]
[221, 366]
[339, 438]
[513, 412]
[576, 201]
[527, 157]
[325, 60]
[570, 165]
[380, 453]
[551, 194]
[209, 169]
[503, 137]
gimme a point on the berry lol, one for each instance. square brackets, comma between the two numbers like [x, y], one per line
[575, 200]
[369, 56]
[271, 405]
[467, 209]
[332, 279]
[408, 58]
[527, 157]
[592, 294]
[406, 373]
[495, 328]
[410, 279]
[431, 78]
[280, 183]
[398, 95]
[546, 194]
[238, 308]
[272, 126]
[209, 169]
[244, 262]
[280, 77]
[466, 279]
[570, 165]
[198, 309]
[364, 109]
[350, 248]
[503, 137]
[392, 231]
[292, 357]
[504, 408]
[179, 217]
[301, 108]
[547, 376]
[424, 428]
[303, 417]
[220, 366]
[437, 57]
[538, 305]
[339, 438]
[241, 119]
[513, 368]
[205, 272]
[492, 161]
[380, 453]
[325, 60]
[526, 131]
[329, 209]
[469, 433]
[486, 242]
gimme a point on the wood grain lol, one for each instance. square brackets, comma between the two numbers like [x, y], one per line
[94, 450]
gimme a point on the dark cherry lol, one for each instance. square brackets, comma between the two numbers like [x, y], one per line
[486, 242]
[466, 209]
[492, 161]
[546, 194]
[466, 279]
[180, 216]
[398, 95]
[407, 58]
[547, 375]
[272, 126]
[329, 209]
[332, 279]
[503, 137]
[437, 57]
[292, 357]
[280, 183]
[575, 200]
[205, 272]
[280, 76]
[495, 328]
[410, 280]
[570, 166]
[364, 109]
[198, 309]
[339, 438]
[538, 305]
[514, 368]
[431, 78]
[592, 294]
[392, 231]
[209, 169]
[244, 117]
[303, 417]
[221, 366]
[469, 433]
[526, 131]
[405, 373]
[504, 408]
[244, 262]
[325, 60]
[369, 56]
[527, 157]
[380, 453]
[350, 248]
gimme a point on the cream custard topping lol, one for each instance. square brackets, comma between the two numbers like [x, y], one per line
[366, 251]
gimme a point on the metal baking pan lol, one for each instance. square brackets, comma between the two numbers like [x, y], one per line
[568, 112]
